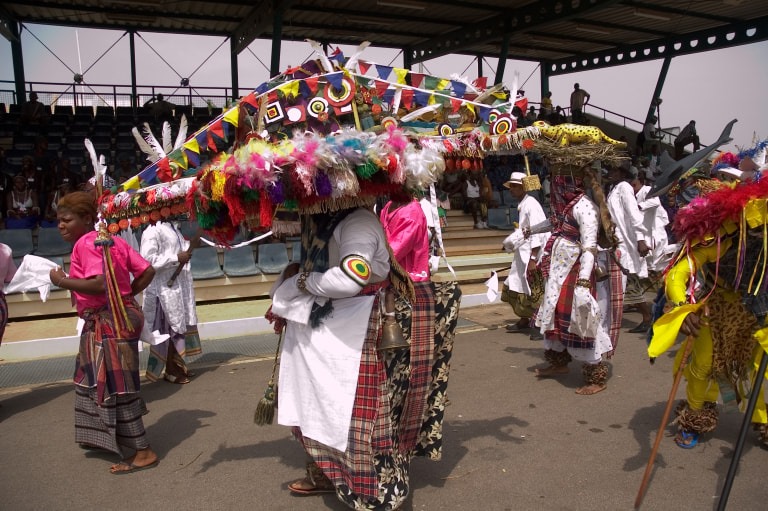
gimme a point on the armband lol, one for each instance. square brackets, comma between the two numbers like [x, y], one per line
[356, 268]
[583, 283]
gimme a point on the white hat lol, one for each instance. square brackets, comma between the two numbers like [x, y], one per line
[516, 178]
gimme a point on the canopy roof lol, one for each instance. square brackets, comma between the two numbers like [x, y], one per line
[565, 35]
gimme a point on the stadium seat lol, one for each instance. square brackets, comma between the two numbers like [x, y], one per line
[498, 218]
[205, 264]
[188, 228]
[296, 252]
[50, 243]
[239, 262]
[20, 241]
[273, 257]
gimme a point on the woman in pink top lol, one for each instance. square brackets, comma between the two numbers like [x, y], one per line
[108, 408]
[7, 271]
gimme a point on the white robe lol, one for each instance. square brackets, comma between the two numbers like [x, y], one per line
[655, 218]
[160, 245]
[530, 213]
[319, 367]
[629, 227]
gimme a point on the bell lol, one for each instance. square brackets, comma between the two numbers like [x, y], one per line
[391, 333]
[392, 336]
[601, 272]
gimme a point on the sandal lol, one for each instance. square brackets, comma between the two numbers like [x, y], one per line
[130, 467]
[315, 482]
[686, 439]
[181, 380]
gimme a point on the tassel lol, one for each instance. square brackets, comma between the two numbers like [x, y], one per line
[265, 410]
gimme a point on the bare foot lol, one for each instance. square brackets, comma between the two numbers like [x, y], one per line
[143, 459]
[588, 390]
[550, 370]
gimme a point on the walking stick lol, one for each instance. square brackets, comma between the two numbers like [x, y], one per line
[758, 383]
[664, 419]
[177, 272]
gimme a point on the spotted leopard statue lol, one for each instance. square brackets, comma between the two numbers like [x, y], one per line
[572, 134]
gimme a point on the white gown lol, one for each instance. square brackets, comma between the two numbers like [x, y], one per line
[629, 227]
[531, 213]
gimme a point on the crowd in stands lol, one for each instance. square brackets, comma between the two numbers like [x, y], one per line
[43, 156]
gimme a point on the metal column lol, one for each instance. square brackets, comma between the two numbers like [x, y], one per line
[234, 69]
[277, 35]
[407, 58]
[657, 90]
[503, 53]
[132, 46]
[544, 77]
[18, 62]
[479, 66]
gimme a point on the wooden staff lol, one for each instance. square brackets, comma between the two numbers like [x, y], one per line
[180, 267]
[664, 419]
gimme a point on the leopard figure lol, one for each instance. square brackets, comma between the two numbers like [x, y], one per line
[570, 134]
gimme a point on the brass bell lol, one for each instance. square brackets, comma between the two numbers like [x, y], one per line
[391, 333]
[601, 272]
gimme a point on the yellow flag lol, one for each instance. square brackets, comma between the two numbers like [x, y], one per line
[400, 73]
[442, 84]
[192, 145]
[290, 89]
[131, 184]
[232, 116]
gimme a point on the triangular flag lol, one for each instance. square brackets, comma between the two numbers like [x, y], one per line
[191, 145]
[455, 105]
[388, 95]
[484, 112]
[421, 97]
[383, 71]
[442, 84]
[481, 82]
[131, 184]
[312, 83]
[407, 98]
[202, 140]
[364, 66]
[430, 82]
[459, 88]
[192, 157]
[290, 89]
[232, 115]
[522, 104]
[337, 55]
[335, 79]
[381, 88]
[261, 89]
[416, 79]
[400, 73]
[250, 99]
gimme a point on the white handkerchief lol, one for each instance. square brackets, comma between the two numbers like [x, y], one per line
[493, 287]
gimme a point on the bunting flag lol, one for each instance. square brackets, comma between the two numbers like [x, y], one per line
[484, 112]
[312, 83]
[416, 79]
[481, 82]
[381, 88]
[337, 55]
[290, 89]
[421, 97]
[232, 115]
[192, 157]
[383, 71]
[250, 99]
[364, 66]
[459, 88]
[442, 84]
[400, 74]
[455, 105]
[522, 104]
[335, 79]
[430, 82]
[407, 98]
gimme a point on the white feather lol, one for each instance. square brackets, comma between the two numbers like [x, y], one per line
[421, 111]
[166, 134]
[181, 136]
[352, 61]
[145, 148]
[152, 141]
[489, 93]
[320, 53]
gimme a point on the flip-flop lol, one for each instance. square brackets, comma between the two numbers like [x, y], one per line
[181, 380]
[134, 468]
[687, 440]
[295, 487]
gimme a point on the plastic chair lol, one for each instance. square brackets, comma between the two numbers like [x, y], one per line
[296, 252]
[273, 257]
[498, 218]
[50, 243]
[20, 241]
[205, 264]
[239, 262]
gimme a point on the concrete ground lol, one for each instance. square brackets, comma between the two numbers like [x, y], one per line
[511, 442]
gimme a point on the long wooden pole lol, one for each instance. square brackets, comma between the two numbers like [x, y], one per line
[664, 419]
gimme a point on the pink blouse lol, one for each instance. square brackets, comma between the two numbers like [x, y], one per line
[87, 261]
[406, 229]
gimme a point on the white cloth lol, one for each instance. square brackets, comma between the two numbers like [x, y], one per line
[654, 219]
[319, 367]
[33, 274]
[530, 213]
[160, 245]
[629, 227]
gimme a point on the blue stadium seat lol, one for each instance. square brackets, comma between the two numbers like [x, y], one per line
[50, 243]
[205, 264]
[188, 228]
[498, 218]
[296, 252]
[20, 241]
[273, 257]
[239, 262]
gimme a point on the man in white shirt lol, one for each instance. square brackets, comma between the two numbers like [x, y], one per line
[632, 234]
[525, 282]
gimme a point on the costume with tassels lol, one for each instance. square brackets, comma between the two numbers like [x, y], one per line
[719, 276]
[580, 313]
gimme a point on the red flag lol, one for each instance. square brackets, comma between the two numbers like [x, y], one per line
[522, 104]
[481, 82]
[416, 79]
[455, 105]
[407, 98]
[381, 88]
[312, 83]
[364, 66]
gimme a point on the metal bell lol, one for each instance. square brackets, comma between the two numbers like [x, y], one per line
[601, 272]
[391, 333]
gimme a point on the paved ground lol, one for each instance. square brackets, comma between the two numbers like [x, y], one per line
[511, 442]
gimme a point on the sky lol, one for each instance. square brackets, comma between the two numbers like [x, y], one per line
[711, 88]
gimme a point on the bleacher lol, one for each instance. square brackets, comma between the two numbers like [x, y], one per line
[248, 272]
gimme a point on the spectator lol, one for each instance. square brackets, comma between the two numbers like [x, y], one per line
[531, 115]
[558, 117]
[686, 136]
[579, 99]
[23, 208]
[475, 202]
[160, 109]
[647, 134]
[125, 168]
[30, 172]
[52, 204]
[546, 105]
[33, 112]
